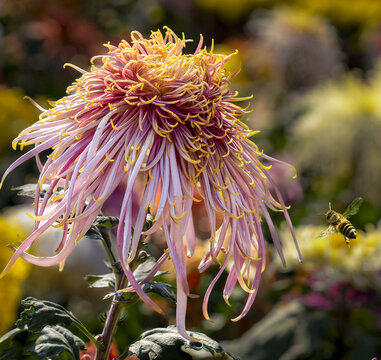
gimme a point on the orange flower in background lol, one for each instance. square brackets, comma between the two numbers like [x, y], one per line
[91, 352]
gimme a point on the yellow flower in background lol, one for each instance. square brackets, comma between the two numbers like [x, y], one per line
[358, 263]
[336, 141]
[10, 294]
[16, 113]
[355, 12]
[362, 12]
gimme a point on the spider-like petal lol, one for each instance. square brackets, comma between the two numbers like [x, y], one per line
[146, 108]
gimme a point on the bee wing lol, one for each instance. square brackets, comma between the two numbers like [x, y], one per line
[330, 229]
[353, 207]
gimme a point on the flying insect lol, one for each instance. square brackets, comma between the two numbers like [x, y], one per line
[340, 223]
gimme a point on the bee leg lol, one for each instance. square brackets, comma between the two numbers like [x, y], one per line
[347, 241]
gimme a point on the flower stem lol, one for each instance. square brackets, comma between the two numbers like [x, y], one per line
[111, 322]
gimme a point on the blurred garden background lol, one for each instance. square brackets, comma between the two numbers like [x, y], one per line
[314, 68]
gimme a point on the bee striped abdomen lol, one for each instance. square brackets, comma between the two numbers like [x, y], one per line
[339, 221]
[347, 229]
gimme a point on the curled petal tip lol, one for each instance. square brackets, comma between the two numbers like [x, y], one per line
[39, 107]
[206, 316]
[226, 298]
[194, 296]
[74, 67]
[158, 309]
[61, 265]
[29, 99]
[35, 218]
[295, 172]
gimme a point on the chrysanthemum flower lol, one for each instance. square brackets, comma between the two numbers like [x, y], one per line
[147, 108]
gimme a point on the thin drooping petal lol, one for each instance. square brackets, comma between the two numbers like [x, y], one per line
[146, 110]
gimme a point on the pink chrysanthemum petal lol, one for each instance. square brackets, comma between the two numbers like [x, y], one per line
[148, 109]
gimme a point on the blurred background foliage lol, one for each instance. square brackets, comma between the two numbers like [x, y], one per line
[315, 71]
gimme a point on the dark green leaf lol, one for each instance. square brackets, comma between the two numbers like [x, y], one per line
[6, 339]
[167, 343]
[145, 268]
[125, 297]
[17, 353]
[161, 289]
[14, 344]
[106, 221]
[56, 340]
[149, 221]
[93, 234]
[39, 313]
[101, 281]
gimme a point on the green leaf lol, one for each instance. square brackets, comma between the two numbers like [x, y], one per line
[162, 289]
[129, 297]
[106, 221]
[14, 344]
[38, 321]
[101, 281]
[17, 353]
[149, 221]
[124, 297]
[145, 268]
[93, 234]
[39, 313]
[6, 339]
[167, 343]
[57, 340]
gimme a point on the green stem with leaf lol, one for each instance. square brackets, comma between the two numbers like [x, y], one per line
[111, 324]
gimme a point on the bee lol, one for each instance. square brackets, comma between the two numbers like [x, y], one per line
[338, 222]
